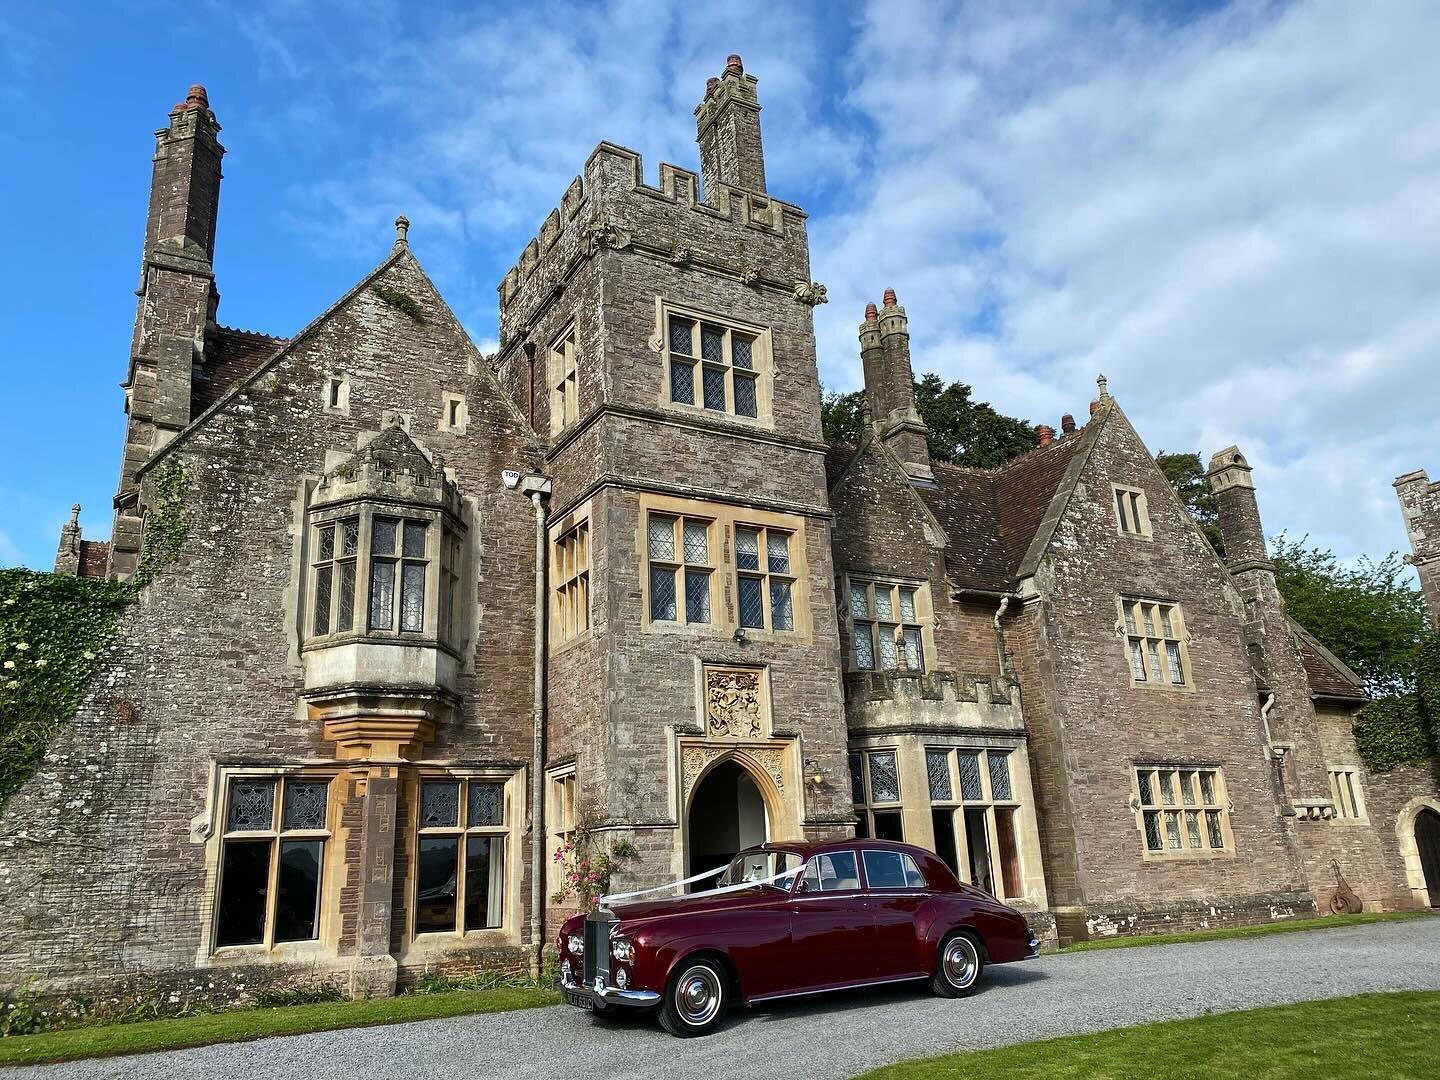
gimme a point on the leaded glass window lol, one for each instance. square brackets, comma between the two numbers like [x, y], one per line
[407, 568]
[937, 768]
[570, 575]
[884, 779]
[1180, 810]
[727, 361]
[764, 577]
[271, 870]
[885, 625]
[975, 834]
[1154, 642]
[460, 859]
[875, 788]
[333, 577]
[857, 780]
[678, 551]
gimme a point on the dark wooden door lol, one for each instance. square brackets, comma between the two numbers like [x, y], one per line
[1427, 839]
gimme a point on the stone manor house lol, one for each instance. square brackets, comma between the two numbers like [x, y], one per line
[435, 608]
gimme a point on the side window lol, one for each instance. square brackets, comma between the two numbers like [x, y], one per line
[914, 879]
[884, 870]
[832, 873]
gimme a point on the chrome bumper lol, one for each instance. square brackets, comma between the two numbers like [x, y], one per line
[601, 996]
[1034, 944]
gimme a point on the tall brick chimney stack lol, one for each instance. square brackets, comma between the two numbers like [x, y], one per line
[1234, 492]
[1300, 774]
[67, 555]
[178, 300]
[890, 386]
[727, 124]
[1420, 505]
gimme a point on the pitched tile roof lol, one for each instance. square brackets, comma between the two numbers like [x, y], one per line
[993, 515]
[230, 356]
[1327, 674]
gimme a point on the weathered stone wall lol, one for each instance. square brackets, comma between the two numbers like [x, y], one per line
[1420, 505]
[104, 857]
[1102, 725]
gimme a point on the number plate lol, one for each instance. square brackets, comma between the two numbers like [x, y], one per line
[580, 1001]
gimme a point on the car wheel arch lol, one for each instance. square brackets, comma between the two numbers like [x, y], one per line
[706, 952]
[964, 927]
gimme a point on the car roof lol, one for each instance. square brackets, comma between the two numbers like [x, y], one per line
[807, 848]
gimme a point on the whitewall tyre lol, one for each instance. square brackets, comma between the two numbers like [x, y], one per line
[695, 1000]
[958, 964]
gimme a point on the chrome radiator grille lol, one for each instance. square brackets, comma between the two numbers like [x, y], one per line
[597, 947]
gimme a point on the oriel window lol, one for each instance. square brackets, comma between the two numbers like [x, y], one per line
[333, 576]
[272, 859]
[398, 566]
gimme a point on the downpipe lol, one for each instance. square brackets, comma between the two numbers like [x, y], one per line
[537, 753]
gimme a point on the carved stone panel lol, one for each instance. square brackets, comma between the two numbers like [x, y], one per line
[735, 703]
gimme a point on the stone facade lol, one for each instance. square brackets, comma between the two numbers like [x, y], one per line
[434, 610]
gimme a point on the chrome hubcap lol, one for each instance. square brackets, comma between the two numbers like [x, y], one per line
[697, 996]
[961, 963]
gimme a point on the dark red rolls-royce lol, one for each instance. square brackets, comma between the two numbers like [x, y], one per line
[790, 919]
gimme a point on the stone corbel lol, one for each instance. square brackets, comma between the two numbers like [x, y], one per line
[810, 292]
[605, 235]
[750, 276]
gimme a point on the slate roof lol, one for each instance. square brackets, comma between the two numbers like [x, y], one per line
[231, 356]
[1327, 674]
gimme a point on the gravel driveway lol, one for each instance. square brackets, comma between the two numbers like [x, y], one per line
[839, 1034]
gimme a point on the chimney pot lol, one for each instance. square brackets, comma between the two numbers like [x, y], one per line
[1046, 433]
[870, 313]
[195, 98]
[1094, 407]
[732, 63]
[889, 298]
[1067, 424]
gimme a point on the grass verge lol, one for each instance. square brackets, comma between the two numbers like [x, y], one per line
[240, 1025]
[1378, 1036]
[1289, 926]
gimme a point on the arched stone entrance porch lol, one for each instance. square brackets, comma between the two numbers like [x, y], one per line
[1418, 830]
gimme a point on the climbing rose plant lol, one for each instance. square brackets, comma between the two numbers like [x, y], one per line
[585, 873]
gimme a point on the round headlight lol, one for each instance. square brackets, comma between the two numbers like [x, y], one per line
[622, 949]
[577, 945]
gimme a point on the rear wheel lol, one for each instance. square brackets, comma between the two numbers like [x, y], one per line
[958, 964]
[695, 999]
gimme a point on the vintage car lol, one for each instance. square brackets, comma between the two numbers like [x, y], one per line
[789, 919]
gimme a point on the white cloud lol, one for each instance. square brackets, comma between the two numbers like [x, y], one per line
[1233, 218]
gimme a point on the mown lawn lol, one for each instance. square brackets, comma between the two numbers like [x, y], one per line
[1377, 1036]
[1287, 926]
[239, 1025]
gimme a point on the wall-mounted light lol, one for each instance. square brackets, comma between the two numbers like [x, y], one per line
[813, 773]
[740, 635]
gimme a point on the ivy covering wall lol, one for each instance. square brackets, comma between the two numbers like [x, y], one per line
[1404, 729]
[55, 628]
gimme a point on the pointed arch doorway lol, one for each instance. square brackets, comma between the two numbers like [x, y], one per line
[1427, 845]
[727, 814]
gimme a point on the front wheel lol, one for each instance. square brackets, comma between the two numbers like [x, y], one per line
[695, 1000]
[958, 965]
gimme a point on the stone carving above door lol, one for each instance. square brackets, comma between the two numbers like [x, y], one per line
[735, 703]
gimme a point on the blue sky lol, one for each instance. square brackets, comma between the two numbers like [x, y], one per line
[1230, 210]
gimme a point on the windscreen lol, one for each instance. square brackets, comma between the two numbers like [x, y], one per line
[759, 865]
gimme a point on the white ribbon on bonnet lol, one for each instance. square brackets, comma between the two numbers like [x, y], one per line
[611, 897]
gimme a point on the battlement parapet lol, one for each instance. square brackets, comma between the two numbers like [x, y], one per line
[619, 212]
[936, 699]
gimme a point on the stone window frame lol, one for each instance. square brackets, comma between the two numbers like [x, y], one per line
[862, 792]
[1348, 794]
[1132, 507]
[947, 794]
[725, 518]
[454, 413]
[1142, 623]
[570, 580]
[922, 623]
[681, 567]
[562, 379]
[761, 356]
[437, 611]
[765, 572]
[335, 394]
[331, 881]
[1184, 804]
[561, 816]
[511, 782]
